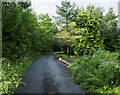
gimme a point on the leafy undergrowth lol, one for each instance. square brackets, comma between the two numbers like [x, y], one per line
[65, 56]
[98, 73]
[12, 72]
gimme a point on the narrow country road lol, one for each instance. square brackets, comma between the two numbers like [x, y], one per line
[47, 75]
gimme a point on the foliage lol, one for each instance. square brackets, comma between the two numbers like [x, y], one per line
[90, 32]
[47, 27]
[26, 34]
[110, 32]
[108, 26]
[16, 27]
[42, 37]
[96, 13]
[67, 38]
[23, 31]
[24, 38]
[12, 72]
[98, 73]
[71, 58]
[65, 12]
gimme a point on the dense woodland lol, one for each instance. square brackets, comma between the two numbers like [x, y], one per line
[83, 32]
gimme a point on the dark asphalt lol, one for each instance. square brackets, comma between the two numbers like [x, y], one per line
[47, 75]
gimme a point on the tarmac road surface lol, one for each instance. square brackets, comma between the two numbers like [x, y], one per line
[48, 75]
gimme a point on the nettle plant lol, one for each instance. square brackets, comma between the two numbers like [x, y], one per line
[90, 31]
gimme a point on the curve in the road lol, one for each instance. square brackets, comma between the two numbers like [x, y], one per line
[47, 75]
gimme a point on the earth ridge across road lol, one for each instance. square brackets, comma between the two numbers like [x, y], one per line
[47, 75]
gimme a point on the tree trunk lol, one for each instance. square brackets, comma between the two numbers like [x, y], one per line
[68, 52]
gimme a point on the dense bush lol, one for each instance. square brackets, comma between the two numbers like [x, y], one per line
[12, 72]
[97, 73]
[108, 26]
[23, 31]
[90, 32]
[109, 31]
[24, 37]
[112, 40]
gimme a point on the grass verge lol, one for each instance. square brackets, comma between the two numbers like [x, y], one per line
[65, 56]
[98, 73]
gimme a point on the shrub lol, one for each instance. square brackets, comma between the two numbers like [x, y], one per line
[97, 73]
[90, 31]
[12, 71]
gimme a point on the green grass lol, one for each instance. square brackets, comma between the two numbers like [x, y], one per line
[98, 73]
[12, 72]
[65, 56]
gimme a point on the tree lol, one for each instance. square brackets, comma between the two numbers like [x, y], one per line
[23, 32]
[67, 38]
[108, 26]
[97, 14]
[65, 14]
[90, 32]
[47, 29]
[110, 32]
[16, 27]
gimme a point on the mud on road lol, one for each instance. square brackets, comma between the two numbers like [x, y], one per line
[48, 75]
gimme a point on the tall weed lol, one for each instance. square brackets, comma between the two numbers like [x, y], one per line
[98, 73]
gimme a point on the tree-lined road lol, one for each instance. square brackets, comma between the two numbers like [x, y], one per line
[47, 75]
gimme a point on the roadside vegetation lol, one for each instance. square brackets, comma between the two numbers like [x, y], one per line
[12, 71]
[84, 35]
[65, 56]
[92, 41]
[98, 73]
[25, 37]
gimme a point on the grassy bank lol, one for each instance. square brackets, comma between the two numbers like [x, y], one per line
[12, 72]
[65, 56]
[98, 73]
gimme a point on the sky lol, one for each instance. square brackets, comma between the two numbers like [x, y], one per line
[49, 6]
